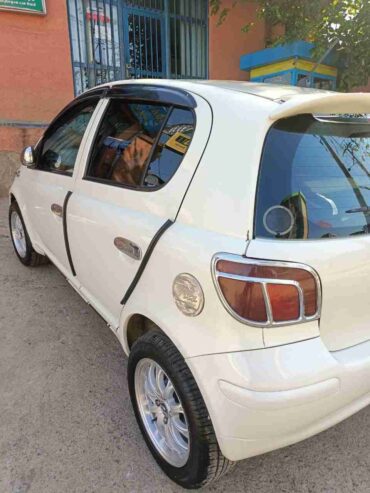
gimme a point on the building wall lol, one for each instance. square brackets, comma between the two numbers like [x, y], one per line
[227, 42]
[36, 78]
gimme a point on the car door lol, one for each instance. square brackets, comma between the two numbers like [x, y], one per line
[48, 184]
[139, 166]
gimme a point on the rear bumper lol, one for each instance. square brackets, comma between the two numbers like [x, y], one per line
[266, 399]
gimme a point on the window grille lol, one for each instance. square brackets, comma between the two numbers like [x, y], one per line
[129, 39]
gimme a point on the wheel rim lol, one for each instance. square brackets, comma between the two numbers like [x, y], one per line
[162, 412]
[18, 234]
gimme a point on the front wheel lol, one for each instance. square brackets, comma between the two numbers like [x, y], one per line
[21, 240]
[172, 414]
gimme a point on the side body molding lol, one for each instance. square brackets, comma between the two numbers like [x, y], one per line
[145, 260]
[65, 232]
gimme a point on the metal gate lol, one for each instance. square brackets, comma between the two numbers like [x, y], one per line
[125, 39]
[145, 43]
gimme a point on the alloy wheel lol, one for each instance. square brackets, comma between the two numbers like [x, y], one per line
[162, 413]
[18, 234]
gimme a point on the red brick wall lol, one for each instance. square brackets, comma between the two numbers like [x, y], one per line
[36, 76]
[15, 139]
[227, 42]
[36, 73]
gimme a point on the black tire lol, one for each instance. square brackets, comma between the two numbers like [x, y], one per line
[205, 462]
[31, 257]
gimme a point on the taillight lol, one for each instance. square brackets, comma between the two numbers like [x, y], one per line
[267, 293]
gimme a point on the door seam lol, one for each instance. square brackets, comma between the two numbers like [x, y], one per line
[146, 259]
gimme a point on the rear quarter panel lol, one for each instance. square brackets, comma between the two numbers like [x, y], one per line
[186, 249]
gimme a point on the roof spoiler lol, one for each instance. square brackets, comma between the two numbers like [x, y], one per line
[323, 103]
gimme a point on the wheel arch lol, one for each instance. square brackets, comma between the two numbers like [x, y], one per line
[135, 327]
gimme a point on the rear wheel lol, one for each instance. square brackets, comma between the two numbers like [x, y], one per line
[172, 414]
[21, 241]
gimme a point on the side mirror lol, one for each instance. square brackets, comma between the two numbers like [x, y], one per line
[28, 157]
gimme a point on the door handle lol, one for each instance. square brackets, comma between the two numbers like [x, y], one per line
[57, 210]
[128, 247]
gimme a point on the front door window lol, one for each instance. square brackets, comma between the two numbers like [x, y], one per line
[59, 148]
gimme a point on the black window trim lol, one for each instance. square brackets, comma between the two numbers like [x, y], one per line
[76, 102]
[152, 93]
[254, 235]
[140, 188]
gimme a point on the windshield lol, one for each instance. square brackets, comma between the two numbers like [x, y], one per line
[314, 179]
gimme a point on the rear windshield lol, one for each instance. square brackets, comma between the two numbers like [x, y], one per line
[314, 179]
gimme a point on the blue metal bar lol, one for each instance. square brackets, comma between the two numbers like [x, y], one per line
[145, 46]
[79, 41]
[140, 45]
[156, 43]
[90, 34]
[167, 45]
[99, 42]
[187, 33]
[121, 39]
[107, 49]
[199, 31]
[113, 39]
[175, 43]
[151, 41]
[190, 38]
[108, 38]
[71, 46]
[134, 42]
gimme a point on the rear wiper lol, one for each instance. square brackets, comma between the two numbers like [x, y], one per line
[365, 210]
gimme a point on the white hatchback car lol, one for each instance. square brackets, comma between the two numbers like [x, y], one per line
[222, 231]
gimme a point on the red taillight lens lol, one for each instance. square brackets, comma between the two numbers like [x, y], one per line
[265, 292]
[284, 301]
[245, 298]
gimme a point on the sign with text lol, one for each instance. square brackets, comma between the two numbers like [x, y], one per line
[30, 6]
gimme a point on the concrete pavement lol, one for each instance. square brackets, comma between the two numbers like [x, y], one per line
[66, 423]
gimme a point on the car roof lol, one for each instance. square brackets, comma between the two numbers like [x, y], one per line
[272, 92]
[279, 101]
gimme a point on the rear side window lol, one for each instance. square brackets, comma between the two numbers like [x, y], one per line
[140, 145]
[314, 179]
[172, 147]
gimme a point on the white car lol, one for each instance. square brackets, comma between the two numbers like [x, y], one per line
[222, 231]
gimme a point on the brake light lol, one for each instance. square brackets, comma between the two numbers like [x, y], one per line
[267, 293]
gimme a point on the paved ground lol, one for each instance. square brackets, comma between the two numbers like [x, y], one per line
[66, 423]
